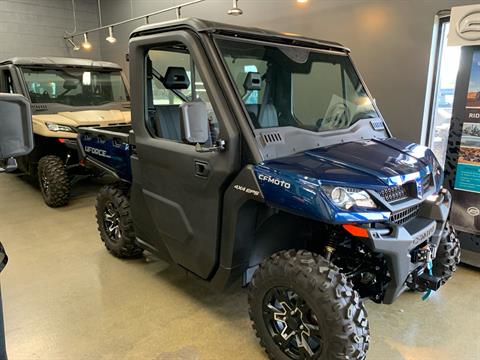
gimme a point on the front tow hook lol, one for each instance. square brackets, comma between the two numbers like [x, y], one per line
[427, 281]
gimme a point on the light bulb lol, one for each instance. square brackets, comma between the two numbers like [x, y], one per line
[75, 46]
[235, 11]
[110, 38]
[86, 44]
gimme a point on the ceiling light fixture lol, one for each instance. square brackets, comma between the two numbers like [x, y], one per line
[235, 11]
[75, 46]
[86, 44]
[110, 38]
[302, 1]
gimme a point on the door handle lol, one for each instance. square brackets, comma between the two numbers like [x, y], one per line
[202, 168]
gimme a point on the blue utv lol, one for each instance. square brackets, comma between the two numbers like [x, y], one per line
[262, 156]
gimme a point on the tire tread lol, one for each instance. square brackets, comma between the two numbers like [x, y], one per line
[59, 182]
[128, 248]
[347, 321]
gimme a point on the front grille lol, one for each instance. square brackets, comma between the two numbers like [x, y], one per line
[393, 194]
[403, 216]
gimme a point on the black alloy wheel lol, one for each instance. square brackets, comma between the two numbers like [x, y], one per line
[292, 323]
[111, 222]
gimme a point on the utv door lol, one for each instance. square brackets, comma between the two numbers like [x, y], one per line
[177, 192]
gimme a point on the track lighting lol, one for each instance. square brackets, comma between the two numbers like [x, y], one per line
[75, 46]
[235, 11]
[110, 38]
[86, 44]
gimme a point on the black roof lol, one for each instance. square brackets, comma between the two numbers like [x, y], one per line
[200, 25]
[60, 62]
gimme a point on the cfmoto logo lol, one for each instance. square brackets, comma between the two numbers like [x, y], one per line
[473, 211]
[274, 181]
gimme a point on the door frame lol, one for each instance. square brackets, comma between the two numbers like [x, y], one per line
[147, 234]
[426, 136]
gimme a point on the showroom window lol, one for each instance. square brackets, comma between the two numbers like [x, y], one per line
[446, 64]
[174, 80]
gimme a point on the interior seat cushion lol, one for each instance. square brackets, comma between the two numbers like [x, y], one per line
[167, 122]
[269, 116]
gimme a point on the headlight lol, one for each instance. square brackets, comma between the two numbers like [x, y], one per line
[345, 198]
[58, 127]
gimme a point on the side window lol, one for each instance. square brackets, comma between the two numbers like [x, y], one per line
[6, 83]
[173, 80]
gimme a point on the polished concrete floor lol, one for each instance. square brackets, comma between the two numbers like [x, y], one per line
[65, 297]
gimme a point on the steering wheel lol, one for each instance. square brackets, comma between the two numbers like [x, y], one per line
[362, 115]
[337, 116]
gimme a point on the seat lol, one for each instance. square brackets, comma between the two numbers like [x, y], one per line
[167, 122]
[269, 116]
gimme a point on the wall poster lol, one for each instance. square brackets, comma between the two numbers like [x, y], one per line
[468, 168]
[465, 214]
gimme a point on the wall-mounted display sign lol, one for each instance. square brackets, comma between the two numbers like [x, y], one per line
[468, 168]
[462, 168]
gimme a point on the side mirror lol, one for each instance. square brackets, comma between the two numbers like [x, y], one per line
[194, 122]
[16, 135]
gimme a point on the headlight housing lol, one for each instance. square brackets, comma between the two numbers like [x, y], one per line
[57, 127]
[345, 198]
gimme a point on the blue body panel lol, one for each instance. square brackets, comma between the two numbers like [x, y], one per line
[293, 183]
[113, 152]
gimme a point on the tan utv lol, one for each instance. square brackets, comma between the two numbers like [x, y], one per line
[65, 94]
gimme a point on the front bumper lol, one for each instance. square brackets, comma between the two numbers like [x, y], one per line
[71, 144]
[398, 243]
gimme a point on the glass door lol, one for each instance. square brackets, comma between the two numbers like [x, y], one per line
[448, 58]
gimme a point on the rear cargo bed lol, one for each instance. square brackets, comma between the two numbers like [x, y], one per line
[107, 149]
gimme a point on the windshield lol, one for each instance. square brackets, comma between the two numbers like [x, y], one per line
[293, 86]
[75, 87]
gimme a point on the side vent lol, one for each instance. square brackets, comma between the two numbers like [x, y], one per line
[377, 125]
[272, 138]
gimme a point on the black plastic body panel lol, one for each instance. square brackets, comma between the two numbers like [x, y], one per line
[397, 246]
[47, 146]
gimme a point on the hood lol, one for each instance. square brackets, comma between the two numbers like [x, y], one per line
[86, 117]
[75, 119]
[293, 183]
[372, 163]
